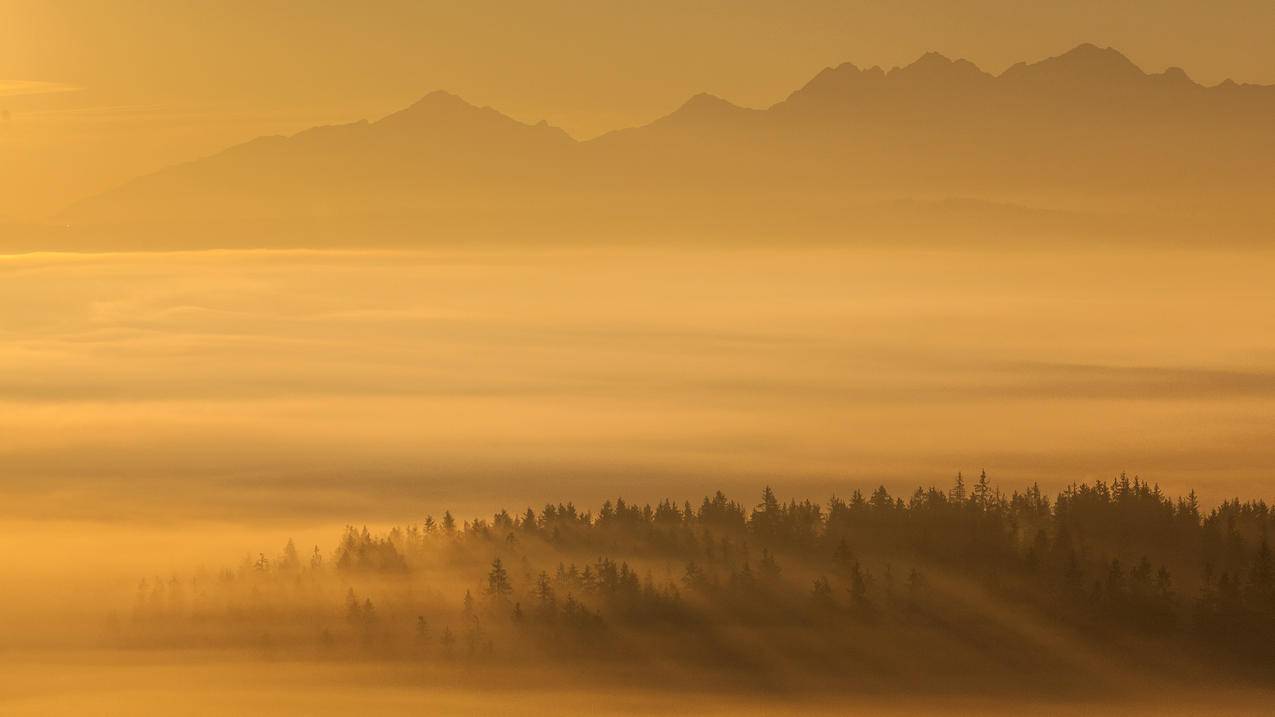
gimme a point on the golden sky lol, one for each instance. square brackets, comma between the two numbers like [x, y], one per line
[94, 92]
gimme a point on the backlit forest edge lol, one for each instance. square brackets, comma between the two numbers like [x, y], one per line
[935, 589]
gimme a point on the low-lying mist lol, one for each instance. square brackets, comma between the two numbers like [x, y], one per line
[1107, 594]
[296, 385]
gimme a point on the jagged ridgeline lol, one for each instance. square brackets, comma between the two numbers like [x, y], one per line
[931, 589]
[1082, 144]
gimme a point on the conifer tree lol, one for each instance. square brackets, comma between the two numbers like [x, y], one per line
[957, 494]
[821, 594]
[768, 568]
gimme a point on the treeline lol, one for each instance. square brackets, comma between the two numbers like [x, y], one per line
[869, 579]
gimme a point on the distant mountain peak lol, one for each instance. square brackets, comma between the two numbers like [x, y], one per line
[843, 67]
[441, 108]
[442, 97]
[1090, 55]
[931, 59]
[432, 105]
[1086, 63]
[702, 111]
[1177, 74]
[836, 82]
[705, 102]
[938, 67]
[703, 107]
[1090, 50]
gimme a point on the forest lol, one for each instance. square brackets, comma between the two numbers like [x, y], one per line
[938, 589]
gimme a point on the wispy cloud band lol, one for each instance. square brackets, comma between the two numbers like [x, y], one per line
[17, 88]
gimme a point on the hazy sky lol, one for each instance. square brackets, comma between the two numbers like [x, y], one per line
[96, 91]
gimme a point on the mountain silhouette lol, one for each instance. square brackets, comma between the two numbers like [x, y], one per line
[1086, 131]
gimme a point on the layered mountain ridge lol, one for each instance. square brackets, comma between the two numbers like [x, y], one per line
[1086, 131]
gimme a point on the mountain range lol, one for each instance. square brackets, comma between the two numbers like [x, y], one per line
[1049, 143]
